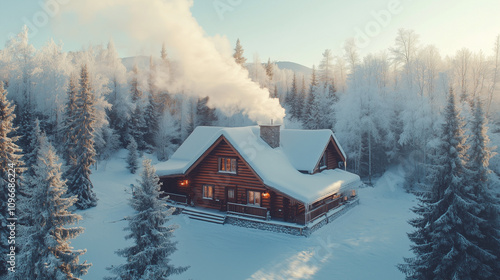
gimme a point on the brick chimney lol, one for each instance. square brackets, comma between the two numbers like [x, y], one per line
[271, 134]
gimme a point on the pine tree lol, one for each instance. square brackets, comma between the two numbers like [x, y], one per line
[132, 159]
[138, 125]
[301, 97]
[292, 99]
[311, 113]
[84, 151]
[153, 108]
[238, 54]
[31, 153]
[325, 69]
[447, 230]
[481, 191]
[204, 115]
[10, 158]
[119, 114]
[148, 258]
[69, 131]
[269, 72]
[46, 251]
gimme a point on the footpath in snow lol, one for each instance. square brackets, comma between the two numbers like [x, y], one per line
[365, 243]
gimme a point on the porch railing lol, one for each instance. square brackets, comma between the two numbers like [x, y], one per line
[322, 209]
[180, 198]
[249, 210]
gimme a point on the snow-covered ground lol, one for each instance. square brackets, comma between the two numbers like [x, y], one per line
[365, 243]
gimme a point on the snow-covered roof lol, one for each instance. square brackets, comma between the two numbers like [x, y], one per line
[278, 168]
[304, 148]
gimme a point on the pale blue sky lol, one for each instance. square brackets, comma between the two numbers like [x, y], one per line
[298, 30]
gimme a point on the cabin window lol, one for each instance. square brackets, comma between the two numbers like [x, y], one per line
[254, 198]
[323, 162]
[227, 165]
[208, 192]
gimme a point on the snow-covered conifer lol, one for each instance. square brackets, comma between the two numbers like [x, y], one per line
[10, 158]
[448, 240]
[46, 252]
[238, 54]
[148, 258]
[132, 158]
[79, 183]
[204, 115]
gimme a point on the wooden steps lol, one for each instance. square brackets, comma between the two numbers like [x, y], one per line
[204, 216]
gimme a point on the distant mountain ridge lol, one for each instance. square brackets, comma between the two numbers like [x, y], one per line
[143, 62]
[295, 67]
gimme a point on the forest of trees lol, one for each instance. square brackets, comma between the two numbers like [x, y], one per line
[386, 109]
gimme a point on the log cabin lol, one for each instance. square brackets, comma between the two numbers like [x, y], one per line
[266, 172]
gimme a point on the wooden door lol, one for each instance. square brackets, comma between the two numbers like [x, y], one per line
[231, 194]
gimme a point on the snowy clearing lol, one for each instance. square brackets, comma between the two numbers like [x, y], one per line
[365, 243]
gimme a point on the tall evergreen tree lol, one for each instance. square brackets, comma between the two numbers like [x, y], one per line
[480, 189]
[311, 111]
[10, 158]
[31, 154]
[204, 115]
[269, 69]
[132, 157]
[138, 125]
[69, 124]
[84, 151]
[292, 99]
[448, 234]
[154, 108]
[238, 54]
[301, 97]
[46, 251]
[148, 258]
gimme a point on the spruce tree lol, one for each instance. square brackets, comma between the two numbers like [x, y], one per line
[300, 100]
[204, 115]
[153, 108]
[148, 258]
[480, 189]
[79, 183]
[311, 111]
[10, 158]
[138, 125]
[46, 252]
[69, 123]
[269, 71]
[132, 157]
[31, 154]
[292, 99]
[447, 236]
[238, 54]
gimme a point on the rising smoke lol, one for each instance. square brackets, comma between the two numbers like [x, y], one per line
[204, 69]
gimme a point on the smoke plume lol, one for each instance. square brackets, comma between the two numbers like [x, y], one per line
[205, 70]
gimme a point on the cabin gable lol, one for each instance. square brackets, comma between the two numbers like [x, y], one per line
[333, 156]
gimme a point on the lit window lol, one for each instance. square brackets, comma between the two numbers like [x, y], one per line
[323, 162]
[208, 192]
[227, 165]
[254, 198]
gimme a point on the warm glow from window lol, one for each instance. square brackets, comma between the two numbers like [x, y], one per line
[208, 192]
[353, 193]
[254, 198]
[227, 165]
[184, 183]
[265, 195]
